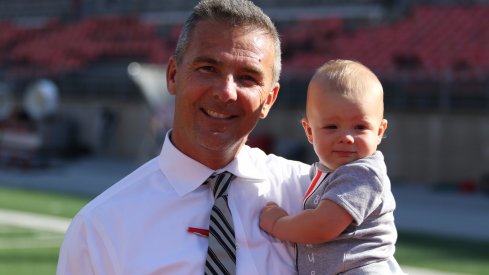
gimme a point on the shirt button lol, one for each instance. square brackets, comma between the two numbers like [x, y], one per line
[237, 245]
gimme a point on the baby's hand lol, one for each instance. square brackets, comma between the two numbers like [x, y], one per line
[269, 216]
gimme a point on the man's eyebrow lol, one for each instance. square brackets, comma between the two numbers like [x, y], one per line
[253, 70]
[250, 68]
[205, 59]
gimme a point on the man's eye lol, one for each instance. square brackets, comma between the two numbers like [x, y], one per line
[248, 79]
[206, 69]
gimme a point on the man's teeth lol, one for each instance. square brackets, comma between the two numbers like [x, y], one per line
[216, 114]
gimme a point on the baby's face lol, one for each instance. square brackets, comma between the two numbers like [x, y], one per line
[343, 128]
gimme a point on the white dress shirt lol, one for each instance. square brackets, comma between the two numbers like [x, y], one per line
[140, 224]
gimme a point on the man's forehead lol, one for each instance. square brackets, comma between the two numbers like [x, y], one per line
[250, 49]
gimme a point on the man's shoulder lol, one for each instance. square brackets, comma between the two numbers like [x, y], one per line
[122, 189]
[271, 160]
[278, 169]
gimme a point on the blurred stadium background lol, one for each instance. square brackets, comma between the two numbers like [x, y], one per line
[83, 102]
[86, 78]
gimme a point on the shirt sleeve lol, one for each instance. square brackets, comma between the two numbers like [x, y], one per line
[83, 252]
[357, 189]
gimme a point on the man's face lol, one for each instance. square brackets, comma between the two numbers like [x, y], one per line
[222, 87]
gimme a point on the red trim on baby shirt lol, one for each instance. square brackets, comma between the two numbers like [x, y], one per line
[313, 184]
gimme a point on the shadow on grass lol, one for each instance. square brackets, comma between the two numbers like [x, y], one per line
[39, 261]
[35, 255]
[443, 253]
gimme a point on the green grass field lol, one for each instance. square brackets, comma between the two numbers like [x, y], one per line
[443, 254]
[41, 202]
[26, 252]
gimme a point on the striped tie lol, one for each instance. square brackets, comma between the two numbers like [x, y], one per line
[221, 254]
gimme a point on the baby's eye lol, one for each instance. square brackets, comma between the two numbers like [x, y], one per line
[360, 127]
[330, 127]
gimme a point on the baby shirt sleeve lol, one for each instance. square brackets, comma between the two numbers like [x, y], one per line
[357, 188]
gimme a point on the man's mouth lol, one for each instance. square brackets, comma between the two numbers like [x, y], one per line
[215, 114]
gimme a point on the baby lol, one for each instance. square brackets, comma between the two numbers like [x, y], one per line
[347, 226]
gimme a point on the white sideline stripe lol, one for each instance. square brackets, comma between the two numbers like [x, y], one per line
[409, 270]
[30, 243]
[17, 246]
[34, 221]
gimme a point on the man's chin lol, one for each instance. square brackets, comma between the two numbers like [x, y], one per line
[220, 143]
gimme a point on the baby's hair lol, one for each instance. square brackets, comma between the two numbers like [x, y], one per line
[348, 77]
[345, 76]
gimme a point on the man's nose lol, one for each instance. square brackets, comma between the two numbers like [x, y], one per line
[227, 89]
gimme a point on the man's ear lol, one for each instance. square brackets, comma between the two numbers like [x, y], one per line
[307, 129]
[269, 100]
[171, 71]
[382, 129]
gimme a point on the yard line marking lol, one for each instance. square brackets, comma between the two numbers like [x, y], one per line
[30, 243]
[34, 221]
[422, 271]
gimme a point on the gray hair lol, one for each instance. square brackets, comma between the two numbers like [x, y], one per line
[237, 13]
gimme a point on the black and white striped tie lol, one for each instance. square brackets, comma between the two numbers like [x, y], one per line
[221, 254]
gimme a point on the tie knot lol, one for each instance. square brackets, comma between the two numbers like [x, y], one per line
[219, 183]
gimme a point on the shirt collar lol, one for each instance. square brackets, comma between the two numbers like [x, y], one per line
[318, 166]
[185, 174]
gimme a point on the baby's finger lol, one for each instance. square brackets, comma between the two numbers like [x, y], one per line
[271, 203]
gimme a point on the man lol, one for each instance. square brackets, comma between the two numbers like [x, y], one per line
[224, 76]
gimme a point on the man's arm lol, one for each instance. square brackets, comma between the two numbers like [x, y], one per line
[76, 254]
[310, 226]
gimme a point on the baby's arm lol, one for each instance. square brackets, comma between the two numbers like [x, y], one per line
[311, 226]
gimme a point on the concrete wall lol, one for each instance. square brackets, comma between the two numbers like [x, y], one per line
[437, 147]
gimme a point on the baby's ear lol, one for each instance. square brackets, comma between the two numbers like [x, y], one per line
[307, 129]
[382, 129]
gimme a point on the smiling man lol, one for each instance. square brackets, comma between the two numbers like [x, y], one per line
[222, 85]
[161, 219]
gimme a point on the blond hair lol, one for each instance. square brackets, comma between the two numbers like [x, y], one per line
[348, 77]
